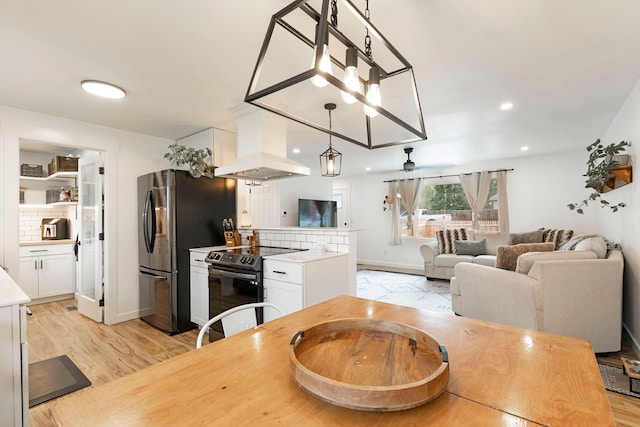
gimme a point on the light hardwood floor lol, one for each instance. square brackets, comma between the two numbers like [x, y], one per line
[105, 353]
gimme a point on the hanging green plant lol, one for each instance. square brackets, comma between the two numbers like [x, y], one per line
[600, 166]
[195, 160]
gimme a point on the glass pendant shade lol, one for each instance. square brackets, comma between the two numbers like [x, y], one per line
[330, 162]
[373, 92]
[245, 219]
[351, 78]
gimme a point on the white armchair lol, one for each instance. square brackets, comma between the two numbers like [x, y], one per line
[581, 298]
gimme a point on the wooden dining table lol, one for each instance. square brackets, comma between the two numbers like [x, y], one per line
[499, 375]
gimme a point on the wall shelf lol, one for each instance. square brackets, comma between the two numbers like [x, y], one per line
[58, 176]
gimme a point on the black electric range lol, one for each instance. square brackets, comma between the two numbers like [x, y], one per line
[244, 257]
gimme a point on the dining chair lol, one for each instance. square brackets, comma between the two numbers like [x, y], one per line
[236, 319]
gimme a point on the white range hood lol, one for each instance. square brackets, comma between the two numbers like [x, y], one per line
[261, 148]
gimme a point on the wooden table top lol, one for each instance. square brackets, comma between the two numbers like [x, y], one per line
[499, 375]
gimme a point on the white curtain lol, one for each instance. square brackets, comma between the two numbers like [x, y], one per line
[395, 213]
[410, 191]
[503, 205]
[476, 188]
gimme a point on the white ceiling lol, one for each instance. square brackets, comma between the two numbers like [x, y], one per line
[566, 65]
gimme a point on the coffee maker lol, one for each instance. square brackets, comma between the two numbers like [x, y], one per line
[55, 228]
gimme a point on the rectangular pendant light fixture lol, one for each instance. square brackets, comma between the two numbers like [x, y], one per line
[310, 40]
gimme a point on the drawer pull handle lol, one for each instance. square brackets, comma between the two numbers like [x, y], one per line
[39, 250]
[198, 260]
[279, 272]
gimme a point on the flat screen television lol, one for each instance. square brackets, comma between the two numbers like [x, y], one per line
[317, 213]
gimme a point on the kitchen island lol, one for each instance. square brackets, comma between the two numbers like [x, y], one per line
[499, 375]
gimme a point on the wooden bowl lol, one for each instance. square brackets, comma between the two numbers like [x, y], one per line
[371, 365]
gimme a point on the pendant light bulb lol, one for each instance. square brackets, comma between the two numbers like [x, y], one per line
[373, 91]
[325, 65]
[351, 79]
[330, 164]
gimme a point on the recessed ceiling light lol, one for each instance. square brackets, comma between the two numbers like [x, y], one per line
[506, 106]
[367, 168]
[103, 89]
[524, 148]
[296, 150]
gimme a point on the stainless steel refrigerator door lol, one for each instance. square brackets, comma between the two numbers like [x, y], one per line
[156, 221]
[158, 297]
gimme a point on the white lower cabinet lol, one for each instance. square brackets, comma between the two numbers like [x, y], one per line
[199, 282]
[47, 270]
[294, 285]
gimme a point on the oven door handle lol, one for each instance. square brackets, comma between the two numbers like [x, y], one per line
[233, 275]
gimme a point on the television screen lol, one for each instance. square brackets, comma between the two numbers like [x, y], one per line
[317, 213]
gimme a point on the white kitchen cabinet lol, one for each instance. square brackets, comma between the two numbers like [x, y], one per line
[295, 281]
[14, 375]
[199, 282]
[47, 270]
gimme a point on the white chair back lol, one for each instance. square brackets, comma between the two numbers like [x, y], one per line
[236, 319]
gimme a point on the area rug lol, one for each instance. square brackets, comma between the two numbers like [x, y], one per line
[53, 378]
[615, 380]
[404, 289]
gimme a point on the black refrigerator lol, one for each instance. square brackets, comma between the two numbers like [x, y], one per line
[176, 212]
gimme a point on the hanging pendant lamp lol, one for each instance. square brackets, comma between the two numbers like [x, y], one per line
[330, 159]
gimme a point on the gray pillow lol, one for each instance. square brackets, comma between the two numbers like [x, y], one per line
[470, 247]
[530, 237]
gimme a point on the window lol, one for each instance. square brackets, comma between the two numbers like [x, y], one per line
[445, 206]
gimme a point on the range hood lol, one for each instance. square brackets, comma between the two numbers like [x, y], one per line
[261, 148]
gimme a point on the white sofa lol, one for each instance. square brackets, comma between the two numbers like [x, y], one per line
[440, 266]
[564, 292]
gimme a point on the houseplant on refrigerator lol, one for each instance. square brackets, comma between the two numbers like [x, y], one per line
[194, 159]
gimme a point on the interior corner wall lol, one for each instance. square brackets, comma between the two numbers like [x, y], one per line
[623, 226]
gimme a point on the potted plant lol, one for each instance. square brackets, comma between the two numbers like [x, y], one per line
[600, 167]
[194, 159]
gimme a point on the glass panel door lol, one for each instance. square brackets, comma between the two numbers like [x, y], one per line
[90, 253]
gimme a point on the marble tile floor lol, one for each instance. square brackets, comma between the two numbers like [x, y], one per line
[404, 289]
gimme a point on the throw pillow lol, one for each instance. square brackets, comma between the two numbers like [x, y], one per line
[470, 247]
[446, 238]
[596, 245]
[557, 237]
[507, 256]
[530, 237]
[526, 261]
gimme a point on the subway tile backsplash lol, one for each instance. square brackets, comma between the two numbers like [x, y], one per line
[31, 220]
[334, 240]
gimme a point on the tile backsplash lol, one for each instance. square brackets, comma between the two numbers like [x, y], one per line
[31, 221]
[334, 239]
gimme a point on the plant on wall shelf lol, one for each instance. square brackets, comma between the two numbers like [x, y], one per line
[600, 167]
[179, 155]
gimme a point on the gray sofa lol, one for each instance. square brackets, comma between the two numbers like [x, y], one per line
[440, 265]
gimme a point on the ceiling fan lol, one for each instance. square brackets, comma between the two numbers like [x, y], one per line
[409, 165]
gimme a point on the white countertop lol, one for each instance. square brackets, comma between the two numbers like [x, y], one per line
[48, 242]
[208, 249]
[10, 292]
[305, 256]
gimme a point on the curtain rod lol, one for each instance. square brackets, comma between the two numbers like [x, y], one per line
[445, 176]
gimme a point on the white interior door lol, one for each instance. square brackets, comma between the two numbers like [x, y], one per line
[90, 251]
[342, 198]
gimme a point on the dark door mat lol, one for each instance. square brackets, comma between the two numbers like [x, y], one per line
[53, 378]
[615, 380]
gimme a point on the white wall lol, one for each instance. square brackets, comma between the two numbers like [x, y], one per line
[539, 188]
[313, 186]
[128, 155]
[623, 226]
